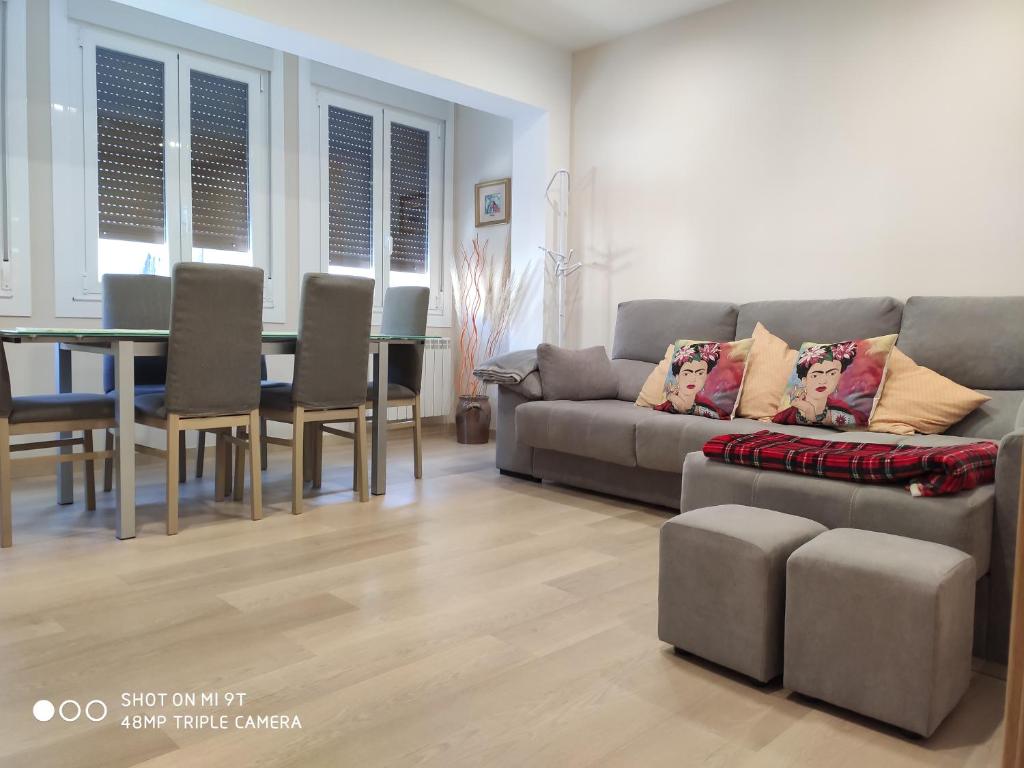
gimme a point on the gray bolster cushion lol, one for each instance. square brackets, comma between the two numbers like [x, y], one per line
[576, 374]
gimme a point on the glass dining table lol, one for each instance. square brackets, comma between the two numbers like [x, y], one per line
[127, 344]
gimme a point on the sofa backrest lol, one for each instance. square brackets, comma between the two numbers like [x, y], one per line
[975, 341]
[644, 328]
[797, 321]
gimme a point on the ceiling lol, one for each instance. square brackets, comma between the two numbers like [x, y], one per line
[577, 24]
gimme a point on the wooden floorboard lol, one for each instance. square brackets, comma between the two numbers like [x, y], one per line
[467, 619]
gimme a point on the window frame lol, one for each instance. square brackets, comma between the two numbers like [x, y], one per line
[73, 122]
[16, 299]
[315, 81]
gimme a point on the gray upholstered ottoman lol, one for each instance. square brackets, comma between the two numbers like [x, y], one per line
[880, 624]
[721, 588]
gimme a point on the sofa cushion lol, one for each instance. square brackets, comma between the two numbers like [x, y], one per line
[822, 319]
[576, 374]
[631, 375]
[1002, 414]
[984, 331]
[596, 429]
[962, 521]
[917, 399]
[643, 328]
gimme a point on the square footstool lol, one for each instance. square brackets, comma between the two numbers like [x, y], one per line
[881, 625]
[721, 584]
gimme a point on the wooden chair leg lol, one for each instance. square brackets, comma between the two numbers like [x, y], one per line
[229, 455]
[90, 472]
[307, 466]
[417, 439]
[200, 453]
[108, 463]
[239, 482]
[173, 433]
[364, 482]
[263, 444]
[298, 465]
[318, 455]
[219, 463]
[6, 531]
[182, 470]
[255, 475]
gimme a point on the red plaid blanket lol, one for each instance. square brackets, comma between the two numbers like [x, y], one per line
[928, 471]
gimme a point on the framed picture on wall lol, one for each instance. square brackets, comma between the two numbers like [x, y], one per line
[493, 202]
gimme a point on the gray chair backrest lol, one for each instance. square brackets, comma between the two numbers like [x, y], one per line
[6, 401]
[797, 321]
[643, 328]
[405, 314]
[334, 341]
[213, 355]
[137, 301]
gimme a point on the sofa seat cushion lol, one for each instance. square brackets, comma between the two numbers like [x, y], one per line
[597, 429]
[962, 520]
[662, 443]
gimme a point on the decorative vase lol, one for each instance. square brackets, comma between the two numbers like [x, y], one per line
[473, 419]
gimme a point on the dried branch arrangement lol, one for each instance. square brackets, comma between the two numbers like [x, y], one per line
[488, 296]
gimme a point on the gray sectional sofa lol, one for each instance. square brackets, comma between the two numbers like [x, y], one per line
[614, 447]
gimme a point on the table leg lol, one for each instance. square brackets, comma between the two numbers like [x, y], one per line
[379, 449]
[65, 469]
[124, 367]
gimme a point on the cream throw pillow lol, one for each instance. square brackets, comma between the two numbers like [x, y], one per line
[653, 391]
[769, 364]
[917, 399]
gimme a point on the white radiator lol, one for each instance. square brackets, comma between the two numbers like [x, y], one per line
[436, 394]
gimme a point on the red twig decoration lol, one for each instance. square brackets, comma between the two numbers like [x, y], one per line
[486, 295]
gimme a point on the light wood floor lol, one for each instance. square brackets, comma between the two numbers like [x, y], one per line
[464, 620]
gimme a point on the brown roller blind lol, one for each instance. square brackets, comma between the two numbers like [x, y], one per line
[350, 188]
[410, 187]
[130, 147]
[219, 118]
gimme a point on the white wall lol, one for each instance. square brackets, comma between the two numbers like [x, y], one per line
[483, 151]
[801, 148]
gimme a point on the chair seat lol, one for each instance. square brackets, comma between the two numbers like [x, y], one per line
[67, 406]
[151, 404]
[278, 397]
[141, 389]
[395, 392]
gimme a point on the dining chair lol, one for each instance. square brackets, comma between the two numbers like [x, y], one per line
[136, 301]
[405, 314]
[46, 414]
[213, 369]
[329, 380]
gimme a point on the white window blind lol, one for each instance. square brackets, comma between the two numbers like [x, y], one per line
[410, 198]
[130, 147]
[219, 120]
[350, 188]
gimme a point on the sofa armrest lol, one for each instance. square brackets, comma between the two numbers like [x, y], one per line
[529, 388]
[508, 369]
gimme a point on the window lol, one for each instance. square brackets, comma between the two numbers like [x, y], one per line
[180, 144]
[15, 288]
[164, 154]
[381, 177]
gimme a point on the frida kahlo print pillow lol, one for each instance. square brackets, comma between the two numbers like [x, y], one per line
[704, 378]
[836, 385]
